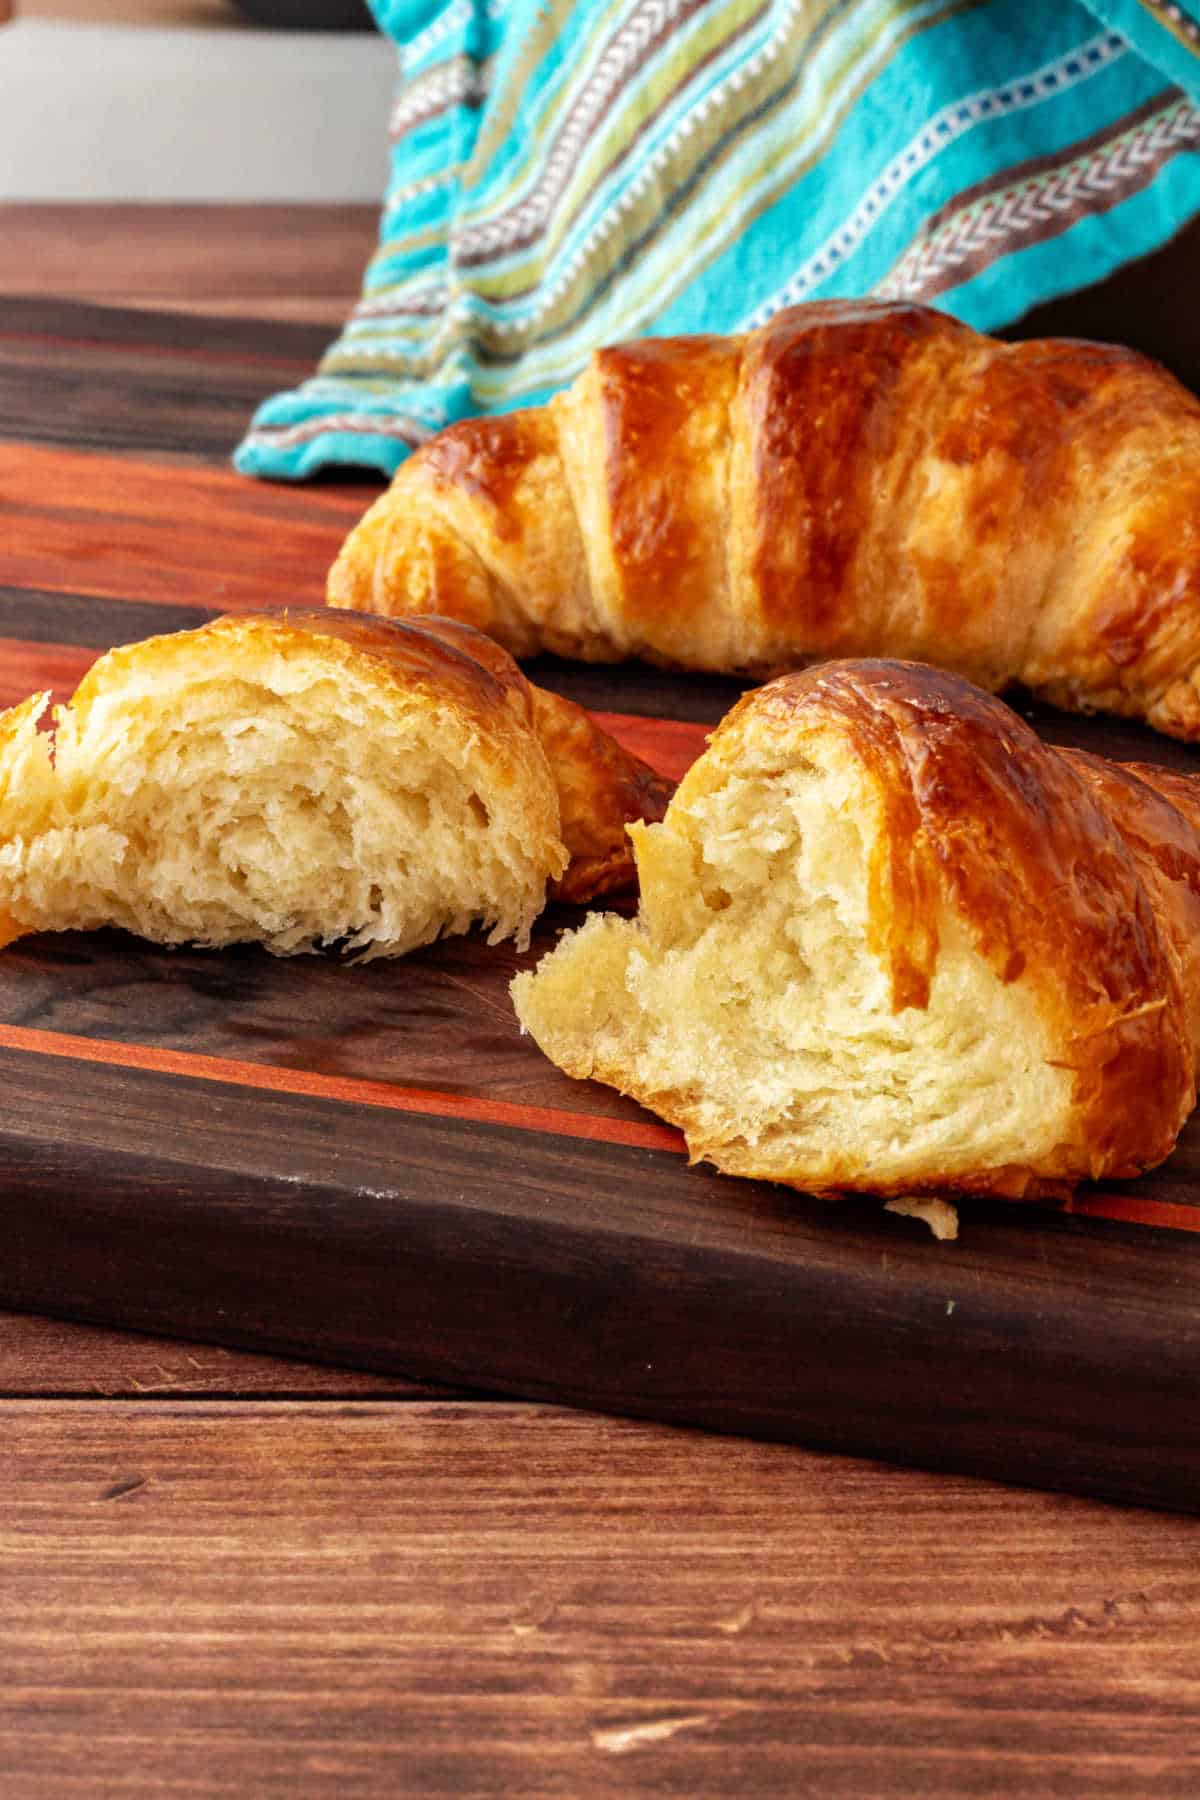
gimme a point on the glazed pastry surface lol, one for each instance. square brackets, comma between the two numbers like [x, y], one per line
[856, 478]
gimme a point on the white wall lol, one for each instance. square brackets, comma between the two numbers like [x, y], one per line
[127, 112]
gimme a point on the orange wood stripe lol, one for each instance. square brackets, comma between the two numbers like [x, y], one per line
[1130, 1210]
[128, 530]
[35, 476]
[230, 564]
[32, 668]
[192, 1064]
[668, 745]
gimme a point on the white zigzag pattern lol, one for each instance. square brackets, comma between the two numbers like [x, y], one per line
[425, 299]
[952, 122]
[461, 79]
[1037, 201]
[612, 70]
[399, 198]
[280, 437]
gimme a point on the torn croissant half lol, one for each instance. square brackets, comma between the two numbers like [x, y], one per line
[305, 778]
[890, 941]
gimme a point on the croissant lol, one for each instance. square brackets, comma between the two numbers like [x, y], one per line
[305, 778]
[855, 478]
[889, 940]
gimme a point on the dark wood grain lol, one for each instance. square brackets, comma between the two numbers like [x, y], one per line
[81, 365]
[49, 320]
[98, 396]
[440, 1020]
[454, 1600]
[1063, 1351]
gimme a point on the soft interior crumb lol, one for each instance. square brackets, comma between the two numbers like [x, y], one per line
[749, 1005]
[279, 798]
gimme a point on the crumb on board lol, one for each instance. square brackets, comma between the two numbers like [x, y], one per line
[939, 1215]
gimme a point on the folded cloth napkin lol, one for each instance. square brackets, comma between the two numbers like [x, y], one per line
[569, 173]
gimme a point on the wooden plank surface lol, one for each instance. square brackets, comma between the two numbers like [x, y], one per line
[42, 1358]
[201, 1094]
[168, 14]
[281, 264]
[578, 1261]
[447, 1599]
[881, 1631]
[156, 391]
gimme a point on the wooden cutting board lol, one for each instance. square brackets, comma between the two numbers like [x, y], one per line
[371, 1166]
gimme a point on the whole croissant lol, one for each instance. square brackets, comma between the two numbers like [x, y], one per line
[855, 478]
[889, 940]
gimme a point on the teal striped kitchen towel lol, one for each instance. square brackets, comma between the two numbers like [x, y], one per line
[568, 173]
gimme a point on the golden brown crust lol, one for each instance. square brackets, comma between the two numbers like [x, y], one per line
[443, 654]
[464, 666]
[601, 788]
[665, 423]
[826, 393]
[485, 516]
[854, 478]
[1157, 812]
[411, 552]
[1055, 868]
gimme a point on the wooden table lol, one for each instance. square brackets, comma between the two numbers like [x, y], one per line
[225, 1574]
